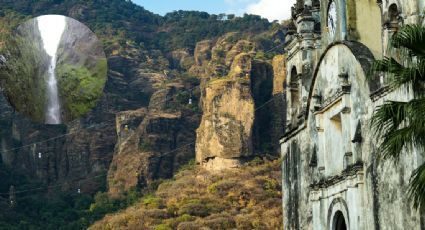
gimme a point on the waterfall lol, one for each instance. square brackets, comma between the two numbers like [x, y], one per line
[53, 113]
[51, 28]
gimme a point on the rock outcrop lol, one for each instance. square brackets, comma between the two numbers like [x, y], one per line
[225, 133]
[279, 69]
[181, 59]
[278, 105]
[152, 142]
[238, 105]
[81, 70]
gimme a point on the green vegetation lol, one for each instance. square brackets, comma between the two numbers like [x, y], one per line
[79, 88]
[121, 22]
[145, 146]
[401, 125]
[62, 210]
[23, 78]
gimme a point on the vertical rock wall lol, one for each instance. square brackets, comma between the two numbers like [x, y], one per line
[239, 102]
[152, 142]
[278, 105]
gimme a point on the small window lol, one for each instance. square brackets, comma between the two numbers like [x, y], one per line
[393, 17]
[393, 13]
[336, 123]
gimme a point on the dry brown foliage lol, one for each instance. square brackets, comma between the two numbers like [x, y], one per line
[245, 198]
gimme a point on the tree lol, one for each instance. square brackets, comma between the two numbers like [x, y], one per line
[401, 125]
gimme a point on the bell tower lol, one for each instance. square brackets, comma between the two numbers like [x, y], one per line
[303, 44]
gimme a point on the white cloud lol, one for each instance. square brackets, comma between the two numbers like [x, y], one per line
[271, 9]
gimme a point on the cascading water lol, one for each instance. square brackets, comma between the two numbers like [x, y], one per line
[51, 29]
[53, 105]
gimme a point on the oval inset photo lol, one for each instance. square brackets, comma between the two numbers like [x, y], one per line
[54, 70]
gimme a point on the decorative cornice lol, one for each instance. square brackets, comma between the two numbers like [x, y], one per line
[293, 132]
[379, 93]
[351, 170]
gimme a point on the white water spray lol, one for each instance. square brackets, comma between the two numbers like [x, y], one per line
[51, 28]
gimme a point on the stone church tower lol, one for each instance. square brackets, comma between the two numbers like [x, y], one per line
[331, 178]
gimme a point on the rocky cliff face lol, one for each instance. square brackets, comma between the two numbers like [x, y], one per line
[278, 105]
[236, 102]
[80, 70]
[152, 142]
[225, 133]
[139, 79]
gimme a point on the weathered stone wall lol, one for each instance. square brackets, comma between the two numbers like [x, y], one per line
[366, 25]
[336, 118]
[334, 169]
[297, 213]
[391, 181]
[329, 152]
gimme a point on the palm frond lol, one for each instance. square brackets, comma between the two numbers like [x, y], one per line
[401, 125]
[388, 117]
[411, 37]
[399, 75]
[395, 141]
[417, 111]
[416, 190]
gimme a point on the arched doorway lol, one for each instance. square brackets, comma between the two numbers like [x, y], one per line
[339, 221]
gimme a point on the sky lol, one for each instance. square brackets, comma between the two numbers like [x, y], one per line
[270, 9]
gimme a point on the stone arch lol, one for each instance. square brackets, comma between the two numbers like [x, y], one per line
[393, 12]
[391, 5]
[338, 215]
[294, 93]
[364, 57]
[392, 19]
[339, 95]
[293, 74]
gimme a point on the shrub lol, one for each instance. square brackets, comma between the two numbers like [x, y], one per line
[150, 201]
[194, 208]
[222, 187]
[189, 166]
